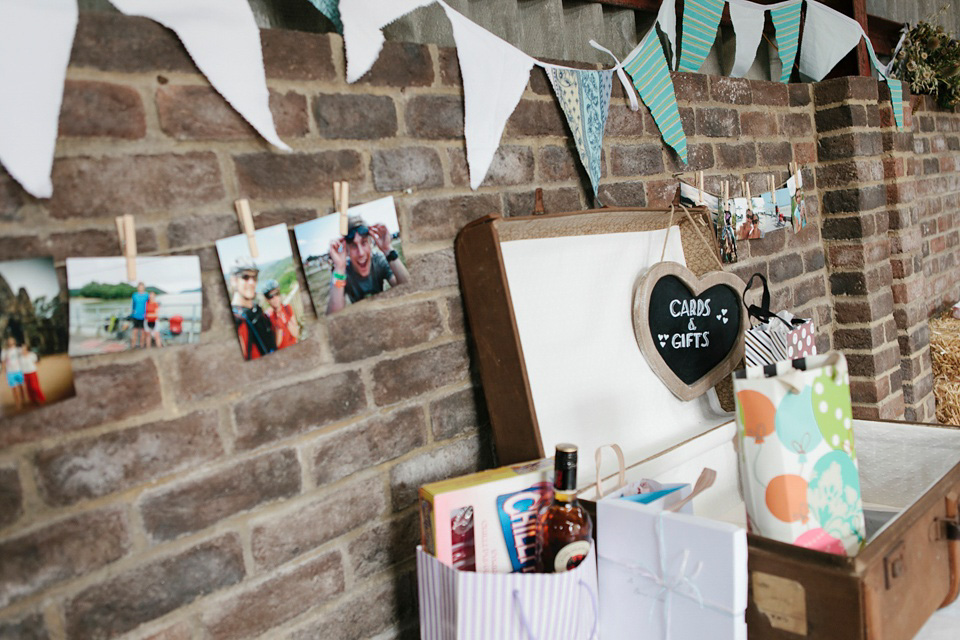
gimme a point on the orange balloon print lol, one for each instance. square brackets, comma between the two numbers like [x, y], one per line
[758, 414]
[787, 498]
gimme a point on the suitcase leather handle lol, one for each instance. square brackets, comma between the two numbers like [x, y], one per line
[952, 537]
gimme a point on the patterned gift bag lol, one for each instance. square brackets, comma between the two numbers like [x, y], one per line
[798, 464]
[775, 336]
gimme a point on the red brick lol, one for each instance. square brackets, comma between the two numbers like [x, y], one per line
[863, 338]
[93, 109]
[804, 152]
[11, 496]
[854, 199]
[636, 160]
[442, 218]
[622, 122]
[406, 167]
[401, 64]
[622, 194]
[660, 193]
[112, 42]
[460, 413]
[850, 145]
[853, 171]
[434, 270]
[511, 165]
[432, 117]
[774, 94]
[690, 87]
[296, 55]
[845, 89]
[61, 550]
[758, 123]
[100, 187]
[125, 601]
[736, 156]
[385, 545]
[369, 333]
[355, 117]
[718, 123]
[273, 176]
[799, 94]
[281, 537]
[195, 504]
[731, 90]
[535, 118]
[271, 602]
[558, 164]
[120, 460]
[365, 612]
[808, 290]
[104, 394]
[298, 408]
[368, 443]
[775, 153]
[449, 67]
[194, 112]
[418, 373]
[455, 459]
[176, 631]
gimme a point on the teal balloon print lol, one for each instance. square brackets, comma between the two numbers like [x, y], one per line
[833, 495]
[796, 425]
[831, 406]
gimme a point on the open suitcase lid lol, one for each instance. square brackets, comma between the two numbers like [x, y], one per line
[565, 284]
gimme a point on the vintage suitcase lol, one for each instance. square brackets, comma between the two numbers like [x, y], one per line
[549, 301]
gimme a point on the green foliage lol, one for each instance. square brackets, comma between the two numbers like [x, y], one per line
[109, 291]
[930, 61]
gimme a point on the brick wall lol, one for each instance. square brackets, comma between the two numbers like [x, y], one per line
[186, 494]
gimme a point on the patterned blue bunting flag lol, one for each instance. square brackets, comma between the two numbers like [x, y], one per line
[647, 67]
[700, 21]
[786, 22]
[585, 99]
[331, 9]
[896, 96]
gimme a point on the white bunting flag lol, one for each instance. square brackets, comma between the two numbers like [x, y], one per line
[747, 18]
[363, 21]
[495, 73]
[223, 39]
[828, 36]
[667, 20]
[35, 41]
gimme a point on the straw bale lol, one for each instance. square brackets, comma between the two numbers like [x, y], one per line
[945, 355]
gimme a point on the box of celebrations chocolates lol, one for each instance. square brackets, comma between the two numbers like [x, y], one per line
[486, 521]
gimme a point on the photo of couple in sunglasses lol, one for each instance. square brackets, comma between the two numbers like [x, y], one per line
[345, 269]
[265, 296]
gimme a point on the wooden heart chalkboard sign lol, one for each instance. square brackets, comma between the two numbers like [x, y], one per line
[690, 330]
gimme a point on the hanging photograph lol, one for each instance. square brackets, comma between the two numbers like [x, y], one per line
[161, 307]
[344, 269]
[747, 218]
[33, 328]
[264, 291]
[798, 209]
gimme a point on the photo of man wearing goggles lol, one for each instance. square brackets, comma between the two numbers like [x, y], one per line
[358, 270]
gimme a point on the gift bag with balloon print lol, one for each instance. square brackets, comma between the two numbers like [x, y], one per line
[798, 463]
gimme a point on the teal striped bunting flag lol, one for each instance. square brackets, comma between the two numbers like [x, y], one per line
[896, 86]
[896, 96]
[700, 21]
[331, 9]
[786, 22]
[647, 67]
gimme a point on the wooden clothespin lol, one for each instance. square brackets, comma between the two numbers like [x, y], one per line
[341, 200]
[746, 192]
[700, 187]
[127, 233]
[246, 225]
[538, 202]
[773, 186]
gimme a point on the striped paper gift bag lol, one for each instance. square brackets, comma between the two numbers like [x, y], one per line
[464, 605]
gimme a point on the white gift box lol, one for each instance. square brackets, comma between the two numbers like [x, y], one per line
[465, 605]
[677, 575]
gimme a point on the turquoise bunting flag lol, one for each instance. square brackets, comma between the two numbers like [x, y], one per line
[896, 86]
[331, 9]
[584, 97]
[700, 21]
[786, 22]
[647, 67]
